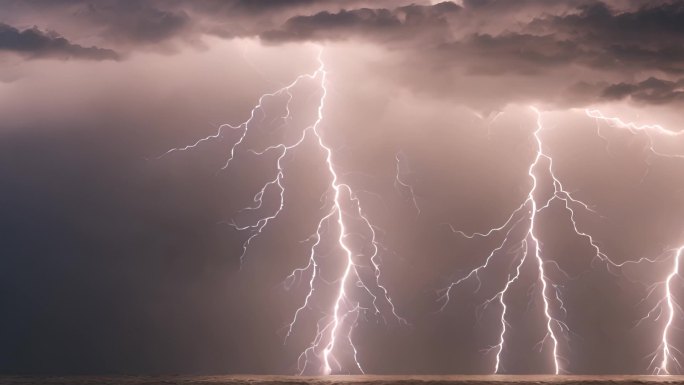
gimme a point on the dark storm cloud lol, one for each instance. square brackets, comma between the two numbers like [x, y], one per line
[512, 53]
[34, 43]
[264, 6]
[136, 22]
[645, 24]
[245, 18]
[255, 7]
[377, 24]
[618, 42]
[591, 34]
[648, 38]
[651, 91]
[532, 38]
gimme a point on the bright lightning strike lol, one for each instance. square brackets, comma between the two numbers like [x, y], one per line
[648, 129]
[529, 245]
[500, 296]
[667, 356]
[668, 352]
[357, 288]
[656, 128]
[329, 329]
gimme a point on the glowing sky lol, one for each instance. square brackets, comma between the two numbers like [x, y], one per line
[116, 260]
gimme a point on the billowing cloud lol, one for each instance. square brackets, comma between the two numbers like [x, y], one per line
[651, 90]
[136, 22]
[530, 42]
[34, 43]
[401, 24]
[648, 38]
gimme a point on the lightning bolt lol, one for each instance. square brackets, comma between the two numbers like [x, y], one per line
[648, 129]
[667, 354]
[500, 296]
[530, 246]
[329, 328]
[357, 288]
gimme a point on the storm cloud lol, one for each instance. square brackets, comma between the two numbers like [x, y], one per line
[33, 43]
[565, 43]
[651, 90]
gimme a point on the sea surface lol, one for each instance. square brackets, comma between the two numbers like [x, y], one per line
[339, 380]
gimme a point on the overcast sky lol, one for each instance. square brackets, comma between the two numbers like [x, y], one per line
[116, 260]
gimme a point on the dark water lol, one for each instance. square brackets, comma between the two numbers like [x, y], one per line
[338, 380]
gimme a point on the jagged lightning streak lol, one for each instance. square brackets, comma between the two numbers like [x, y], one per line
[337, 326]
[331, 328]
[531, 246]
[647, 129]
[257, 227]
[500, 296]
[537, 248]
[667, 354]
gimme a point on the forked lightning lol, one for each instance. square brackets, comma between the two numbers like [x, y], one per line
[334, 330]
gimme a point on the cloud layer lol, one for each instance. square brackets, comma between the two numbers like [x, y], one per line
[584, 48]
[33, 43]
